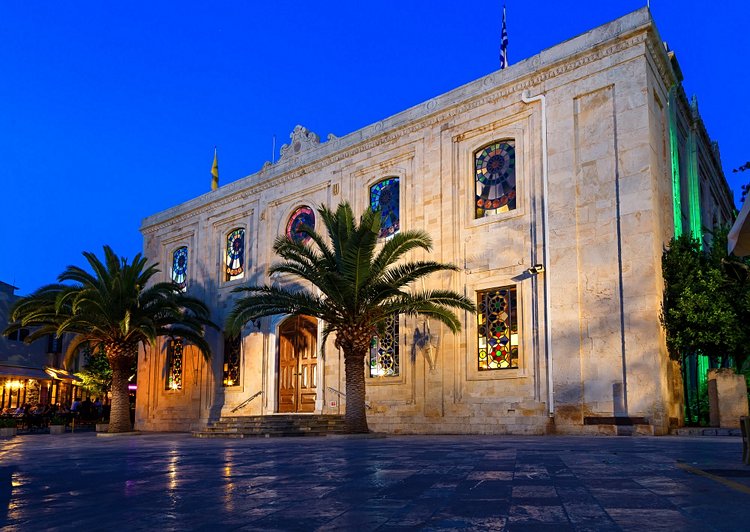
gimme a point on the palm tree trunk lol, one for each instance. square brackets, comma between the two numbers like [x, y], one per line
[119, 417]
[355, 417]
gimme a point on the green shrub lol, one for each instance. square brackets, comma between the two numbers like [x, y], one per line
[58, 420]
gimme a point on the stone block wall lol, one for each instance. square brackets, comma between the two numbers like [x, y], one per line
[609, 216]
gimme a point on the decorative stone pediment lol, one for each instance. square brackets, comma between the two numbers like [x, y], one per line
[302, 141]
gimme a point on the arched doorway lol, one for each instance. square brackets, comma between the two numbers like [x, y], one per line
[298, 364]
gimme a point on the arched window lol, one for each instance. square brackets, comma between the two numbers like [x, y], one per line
[303, 216]
[384, 195]
[235, 255]
[180, 266]
[495, 178]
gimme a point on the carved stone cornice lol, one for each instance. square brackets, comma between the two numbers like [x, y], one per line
[661, 59]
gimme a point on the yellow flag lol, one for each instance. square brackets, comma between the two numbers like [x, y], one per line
[215, 171]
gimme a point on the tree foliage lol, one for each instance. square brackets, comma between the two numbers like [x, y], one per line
[112, 308]
[745, 187]
[97, 373]
[706, 303]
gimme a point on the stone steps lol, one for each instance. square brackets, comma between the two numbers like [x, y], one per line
[281, 425]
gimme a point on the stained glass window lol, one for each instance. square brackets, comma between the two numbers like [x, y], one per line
[179, 267]
[174, 364]
[384, 196]
[384, 351]
[235, 259]
[304, 216]
[497, 329]
[495, 178]
[232, 351]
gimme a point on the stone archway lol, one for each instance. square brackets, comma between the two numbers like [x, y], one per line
[298, 364]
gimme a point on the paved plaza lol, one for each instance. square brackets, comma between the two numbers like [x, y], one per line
[175, 482]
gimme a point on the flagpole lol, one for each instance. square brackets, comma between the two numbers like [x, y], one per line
[504, 43]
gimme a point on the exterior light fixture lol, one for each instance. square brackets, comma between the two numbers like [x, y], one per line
[536, 269]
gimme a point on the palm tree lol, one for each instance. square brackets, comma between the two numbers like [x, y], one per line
[355, 286]
[112, 309]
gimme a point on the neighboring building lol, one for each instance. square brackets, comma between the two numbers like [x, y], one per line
[30, 373]
[739, 236]
[625, 163]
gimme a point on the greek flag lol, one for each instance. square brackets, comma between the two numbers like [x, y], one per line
[504, 44]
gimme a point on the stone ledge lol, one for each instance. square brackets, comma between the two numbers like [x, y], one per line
[705, 431]
[614, 420]
[118, 434]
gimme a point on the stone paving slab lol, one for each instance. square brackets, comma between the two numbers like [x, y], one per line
[175, 482]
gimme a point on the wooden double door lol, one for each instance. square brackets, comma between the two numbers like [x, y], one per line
[298, 364]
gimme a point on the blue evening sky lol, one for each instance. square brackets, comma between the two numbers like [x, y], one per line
[109, 111]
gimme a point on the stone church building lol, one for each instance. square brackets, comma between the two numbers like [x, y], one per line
[553, 185]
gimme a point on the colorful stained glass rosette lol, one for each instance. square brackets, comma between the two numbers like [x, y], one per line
[384, 351]
[179, 267]
[497, 329]
[384, 196]
[495, 175]
[235, 260]
[302, 217]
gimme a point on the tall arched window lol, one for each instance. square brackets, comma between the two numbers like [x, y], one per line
[180, 267]
[235, 255]
[495, 178]
[384, 195]
[303, 216]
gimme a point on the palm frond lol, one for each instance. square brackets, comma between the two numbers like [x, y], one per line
[112, 305]
[264, 301]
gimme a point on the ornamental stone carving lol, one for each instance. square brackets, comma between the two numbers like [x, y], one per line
[302, 141]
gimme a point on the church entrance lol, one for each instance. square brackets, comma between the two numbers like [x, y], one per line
[298, 364]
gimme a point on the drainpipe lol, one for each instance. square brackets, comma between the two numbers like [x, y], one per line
[525, 98]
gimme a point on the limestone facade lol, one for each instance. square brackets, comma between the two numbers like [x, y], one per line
[591, 351]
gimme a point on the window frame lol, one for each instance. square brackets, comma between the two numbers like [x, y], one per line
[404, 361]
[374, 347]
[475, 153]
[225, 276]
[170, 357]
[171, 254]
[525, 347]
[376, 181]
[236, 385]
[478, 295]
[470, 142]
[293, 212]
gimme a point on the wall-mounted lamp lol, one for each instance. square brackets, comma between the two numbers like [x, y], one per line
[536, 269]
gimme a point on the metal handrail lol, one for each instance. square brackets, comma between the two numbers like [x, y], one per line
[342, 394]
[246, 402]
[334, 390]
